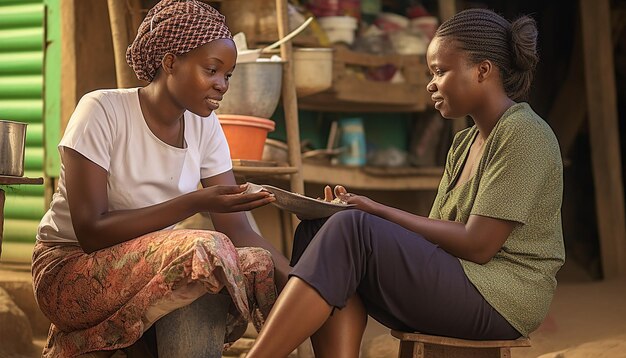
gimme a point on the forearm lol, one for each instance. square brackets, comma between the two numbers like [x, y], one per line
[451, 236]
[114, 227]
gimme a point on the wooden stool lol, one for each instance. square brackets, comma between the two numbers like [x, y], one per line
[416, 345]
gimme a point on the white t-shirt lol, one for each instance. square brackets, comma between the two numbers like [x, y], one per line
[109, 129]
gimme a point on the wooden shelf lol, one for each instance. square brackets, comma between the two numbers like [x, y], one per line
[352, 91]
[329, 102]
[373, 178]
[11, 180]
[263, 171]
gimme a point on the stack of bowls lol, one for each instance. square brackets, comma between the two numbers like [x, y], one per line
[252, 98]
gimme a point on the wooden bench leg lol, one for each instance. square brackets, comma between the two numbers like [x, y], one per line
[410, 349]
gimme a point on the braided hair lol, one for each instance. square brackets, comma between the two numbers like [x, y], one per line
[512, 47]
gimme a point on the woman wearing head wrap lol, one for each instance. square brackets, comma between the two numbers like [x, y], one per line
[107, 265]
[482, 266]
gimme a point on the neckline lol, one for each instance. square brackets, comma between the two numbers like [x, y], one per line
[459, 168]
[473, 133]
[146, 128]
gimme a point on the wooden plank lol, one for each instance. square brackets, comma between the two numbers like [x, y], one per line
[358, 178]
[120, 22]
[457, 342]
[11, 180]
[290, 109]
[569, 109]
[327, 101]
[604, 134]
[94, 62]
[68, 62]
[253, 163]
[2, 198]
[447, 9]
[356, 90]
[263, 171]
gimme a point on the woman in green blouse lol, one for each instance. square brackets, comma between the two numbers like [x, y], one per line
[483, 264]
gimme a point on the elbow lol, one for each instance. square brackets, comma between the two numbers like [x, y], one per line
[86, 239]
[481, 260]
[87, 248]
[481, 257]
[87, 245]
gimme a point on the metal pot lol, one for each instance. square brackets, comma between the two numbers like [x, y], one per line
[255, 89]
[12, 147]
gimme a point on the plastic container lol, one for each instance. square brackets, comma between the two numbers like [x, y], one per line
[353, 139]
[339, 28]
[245, 135]
[313, 70]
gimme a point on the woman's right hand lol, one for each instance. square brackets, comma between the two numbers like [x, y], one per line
[330, 194]
[231, 198]
[359, 201]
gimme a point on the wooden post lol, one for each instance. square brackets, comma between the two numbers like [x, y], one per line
[2, 196]
[119, 30]
[447, 9]
[569, 109]
[290, 105]
[604, 134]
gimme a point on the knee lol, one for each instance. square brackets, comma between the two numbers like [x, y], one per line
[263, 260]
[256, 259]
[347, 225]
[348, 220]
[212, 238]
[349, 216]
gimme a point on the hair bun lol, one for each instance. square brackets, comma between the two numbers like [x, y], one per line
[524, 43]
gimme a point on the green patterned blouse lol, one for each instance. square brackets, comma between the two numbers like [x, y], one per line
[519, 178]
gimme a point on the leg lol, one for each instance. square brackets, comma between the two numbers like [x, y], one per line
[196, 330]
[341, 334]
[405, 281]
[311, 303]
[297, 299]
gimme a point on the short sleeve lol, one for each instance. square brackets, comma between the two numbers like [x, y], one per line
[215, 156]
[90, 130]
[517, 171]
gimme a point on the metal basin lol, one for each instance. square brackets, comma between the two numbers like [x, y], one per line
[12, 147]
[255, 89]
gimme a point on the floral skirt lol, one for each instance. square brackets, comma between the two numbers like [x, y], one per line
[107, 299]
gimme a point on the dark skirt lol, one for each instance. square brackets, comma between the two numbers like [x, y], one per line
[405, 282]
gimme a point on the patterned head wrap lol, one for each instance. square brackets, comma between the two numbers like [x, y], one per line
[173, 26]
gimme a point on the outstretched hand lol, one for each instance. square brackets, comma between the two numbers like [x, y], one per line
[359, 201]
[232, 198]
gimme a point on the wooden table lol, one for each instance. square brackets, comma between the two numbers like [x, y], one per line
[10, 180]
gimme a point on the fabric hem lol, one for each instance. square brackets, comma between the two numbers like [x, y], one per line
[315, 286]
[517, 327]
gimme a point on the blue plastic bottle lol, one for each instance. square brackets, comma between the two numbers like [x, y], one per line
[353, 140]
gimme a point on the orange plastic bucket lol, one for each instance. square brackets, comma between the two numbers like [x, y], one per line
[245, 135]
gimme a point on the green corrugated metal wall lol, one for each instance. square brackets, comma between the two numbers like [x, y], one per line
[21, 99]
